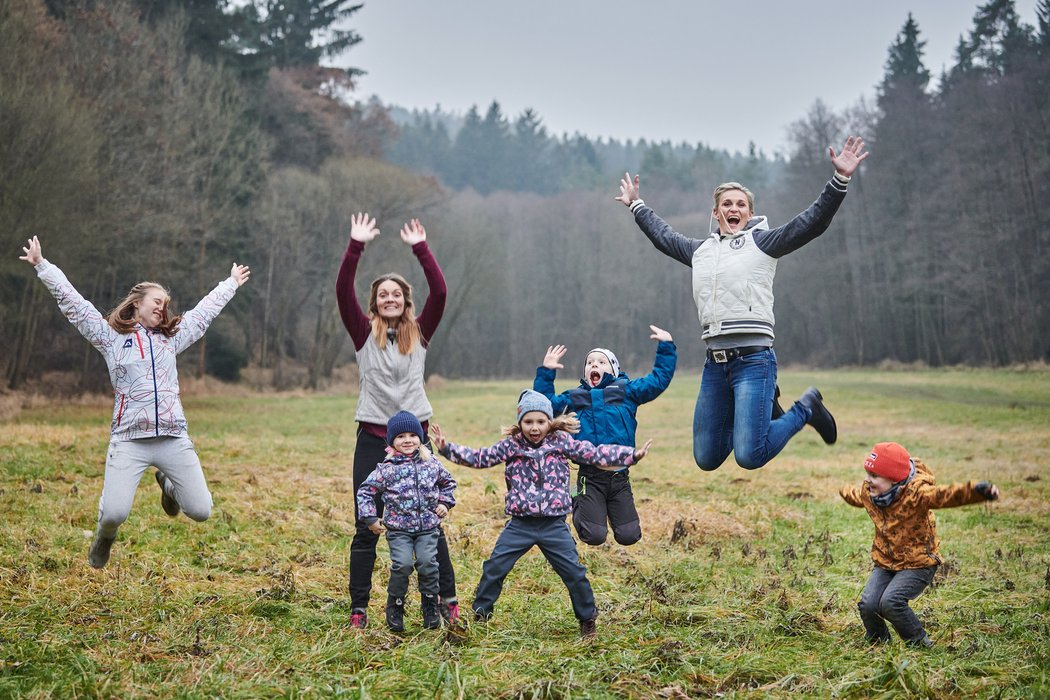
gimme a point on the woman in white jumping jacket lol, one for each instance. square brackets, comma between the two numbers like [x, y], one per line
[140, 341]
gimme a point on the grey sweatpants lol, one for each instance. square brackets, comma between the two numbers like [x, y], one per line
[127, 460]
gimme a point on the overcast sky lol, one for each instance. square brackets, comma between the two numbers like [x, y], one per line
[722, 73]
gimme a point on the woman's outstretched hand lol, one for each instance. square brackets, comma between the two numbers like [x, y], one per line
[240, 274]
[363, 228]
[628, 190]
[437, 437]
[32, 255]
[849, 158]
[413, 232]
[640, 452]
[552, 360]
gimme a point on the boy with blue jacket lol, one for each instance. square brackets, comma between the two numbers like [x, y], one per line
[606, 403]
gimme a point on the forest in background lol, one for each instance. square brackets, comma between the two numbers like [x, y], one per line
[164, 139]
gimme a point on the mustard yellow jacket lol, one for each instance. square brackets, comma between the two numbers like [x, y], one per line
[906, 530]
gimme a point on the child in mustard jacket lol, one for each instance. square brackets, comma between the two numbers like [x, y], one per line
[899, 494]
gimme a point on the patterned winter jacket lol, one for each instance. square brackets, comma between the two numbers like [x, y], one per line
[906, 530]
[538, 475]
[141, 363]
[411, 488]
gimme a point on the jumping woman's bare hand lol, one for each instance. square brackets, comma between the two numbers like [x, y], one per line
[660, 334]
[363, 228]
[413, 232]
[640, 452]
[437, 436]
[629, 190]
[32, 253]
[240, 274]
[849, 158]
[552, 360]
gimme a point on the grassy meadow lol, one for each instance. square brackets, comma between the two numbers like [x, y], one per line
[744, 585]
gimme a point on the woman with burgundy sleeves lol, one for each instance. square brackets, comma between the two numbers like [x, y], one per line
[391, 343]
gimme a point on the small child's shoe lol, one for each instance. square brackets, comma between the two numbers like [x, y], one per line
[449, 611]
[395, 614]
[431, 616]
[358, 618]
[588, 628]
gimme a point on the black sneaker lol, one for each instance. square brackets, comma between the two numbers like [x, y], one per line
[431, 616]
[395, 614]
[98, 555]
[588, 628]
[169, 504]
[778, 410]
[820, 418]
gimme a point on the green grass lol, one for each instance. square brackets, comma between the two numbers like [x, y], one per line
[745, 584]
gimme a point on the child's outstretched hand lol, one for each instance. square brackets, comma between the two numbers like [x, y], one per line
[660, 334]
[988, 490]
[441, 511]
[629, 189]
[33, 256]
[437, 436]
[240, 274]
[363, 228]
[640, 452]
[552, 360]
[413, 232]
[376, 527]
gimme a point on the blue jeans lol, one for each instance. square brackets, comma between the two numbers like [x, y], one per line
[733, 413]
[886, 596]
[410, 550]
[553, 538]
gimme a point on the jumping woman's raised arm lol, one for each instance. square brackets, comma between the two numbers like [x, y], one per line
[362, 230]
[415, 235]
[80, 312]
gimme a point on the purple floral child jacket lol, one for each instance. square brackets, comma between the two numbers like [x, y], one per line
[411, 488]
[538, 475]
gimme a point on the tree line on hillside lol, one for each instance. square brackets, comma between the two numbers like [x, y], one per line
[163, 139]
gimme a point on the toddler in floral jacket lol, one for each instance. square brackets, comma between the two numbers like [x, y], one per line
[416, 492]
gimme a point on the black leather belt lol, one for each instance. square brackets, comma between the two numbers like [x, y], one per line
[722, 356]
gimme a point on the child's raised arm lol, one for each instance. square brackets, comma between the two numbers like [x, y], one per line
[478, 459]
[545, 374]
[647, 388]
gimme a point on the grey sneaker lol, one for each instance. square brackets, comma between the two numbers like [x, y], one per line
[98, 555]
[169, 504]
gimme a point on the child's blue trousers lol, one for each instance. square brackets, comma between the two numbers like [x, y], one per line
[553, 538]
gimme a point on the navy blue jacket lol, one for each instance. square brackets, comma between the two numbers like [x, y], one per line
[607, 411]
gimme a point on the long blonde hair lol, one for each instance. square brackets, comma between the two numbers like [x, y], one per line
[122, 318]
[408, 333]
[566, 422]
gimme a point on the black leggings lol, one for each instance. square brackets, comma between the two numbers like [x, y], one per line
[369, 452]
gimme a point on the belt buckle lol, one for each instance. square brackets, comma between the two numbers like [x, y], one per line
[719, 356]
